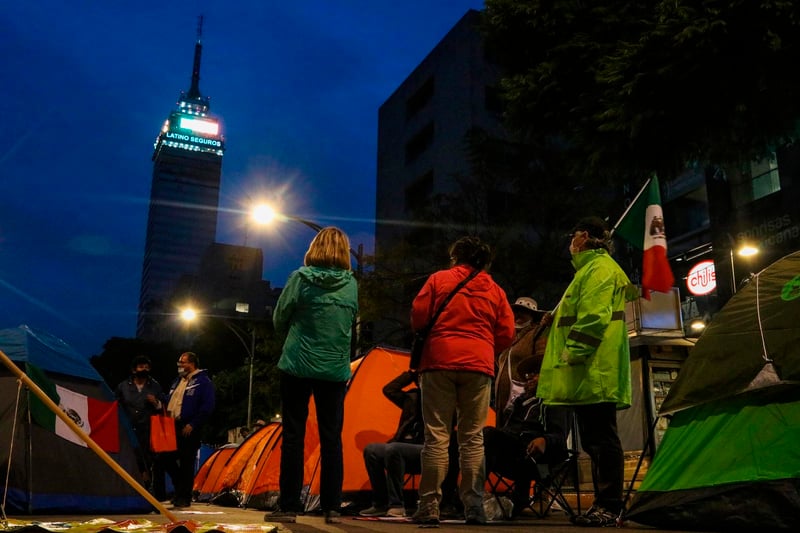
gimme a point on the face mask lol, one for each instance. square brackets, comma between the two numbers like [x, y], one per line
[141, 374]
[522, 325]
[182, 372]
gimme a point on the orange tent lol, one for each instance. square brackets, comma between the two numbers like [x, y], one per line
[251, 472]
[207, 476]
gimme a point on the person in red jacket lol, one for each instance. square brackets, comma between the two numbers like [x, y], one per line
[456, 371]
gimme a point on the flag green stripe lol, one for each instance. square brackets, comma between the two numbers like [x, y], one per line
[39, 411]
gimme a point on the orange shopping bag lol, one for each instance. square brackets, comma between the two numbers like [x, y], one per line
[162, 433]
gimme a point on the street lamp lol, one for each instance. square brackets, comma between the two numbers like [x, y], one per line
[265, 214]
[188, 315]
[744, 250]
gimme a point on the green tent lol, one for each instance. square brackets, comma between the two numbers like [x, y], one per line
[730, 459]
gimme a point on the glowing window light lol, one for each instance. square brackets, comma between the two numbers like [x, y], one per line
[203, 126]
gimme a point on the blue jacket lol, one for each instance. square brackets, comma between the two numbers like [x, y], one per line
[198, 399]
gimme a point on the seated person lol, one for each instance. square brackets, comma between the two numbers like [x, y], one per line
[532, 433]
[530, 339]
[387, 463]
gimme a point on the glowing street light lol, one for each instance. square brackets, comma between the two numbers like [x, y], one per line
[745, 250]
[188, 315]
[265, 214]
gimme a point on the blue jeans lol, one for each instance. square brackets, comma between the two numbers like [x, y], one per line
[329, 400]
[387, 464]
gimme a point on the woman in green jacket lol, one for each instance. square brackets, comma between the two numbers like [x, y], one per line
[315, 311]
[587, 362]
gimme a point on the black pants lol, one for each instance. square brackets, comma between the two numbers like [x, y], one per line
[506, 454]
[597, 424]
[180, 464]
[329, 402]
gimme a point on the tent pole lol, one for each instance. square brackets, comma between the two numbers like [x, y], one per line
[648, 446]
[83, 436]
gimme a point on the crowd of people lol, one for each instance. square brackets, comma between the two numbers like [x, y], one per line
[540, 369]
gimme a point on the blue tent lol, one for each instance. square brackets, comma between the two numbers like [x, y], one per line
[49, 474]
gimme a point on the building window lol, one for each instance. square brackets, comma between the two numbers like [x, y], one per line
[760, 180]
[419, 143]
[419, 99]
[419, 191]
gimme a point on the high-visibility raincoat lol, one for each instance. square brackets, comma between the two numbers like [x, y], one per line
[587, 359]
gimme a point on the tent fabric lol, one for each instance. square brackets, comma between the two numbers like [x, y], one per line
[250, 475]
[729, 460]
[726, 465]
[49, 474]
[208, 474]
[27, 345]
[757, 326]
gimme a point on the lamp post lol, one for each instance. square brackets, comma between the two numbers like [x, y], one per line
[188, 315]
[265, 214]
[744, 250]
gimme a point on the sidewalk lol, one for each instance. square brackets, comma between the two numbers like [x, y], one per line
[234, 520]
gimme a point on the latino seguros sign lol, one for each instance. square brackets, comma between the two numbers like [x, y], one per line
[702, 278]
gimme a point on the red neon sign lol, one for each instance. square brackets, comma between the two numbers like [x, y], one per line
[702, 278]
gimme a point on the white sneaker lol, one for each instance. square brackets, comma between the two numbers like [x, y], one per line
[396, 512]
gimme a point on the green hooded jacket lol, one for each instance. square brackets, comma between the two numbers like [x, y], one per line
[316, 311]
[587, 359]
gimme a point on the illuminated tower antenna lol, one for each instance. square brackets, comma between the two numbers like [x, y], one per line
[194, 90]
[193, 100]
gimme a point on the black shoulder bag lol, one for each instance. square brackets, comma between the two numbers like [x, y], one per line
[421, 334]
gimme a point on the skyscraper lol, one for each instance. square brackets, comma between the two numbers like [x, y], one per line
[184, 197]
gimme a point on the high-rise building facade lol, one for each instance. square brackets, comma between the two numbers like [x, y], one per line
[184, 198]
[422, 126]
[422, 151]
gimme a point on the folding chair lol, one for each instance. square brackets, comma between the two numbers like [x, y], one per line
[548, 482]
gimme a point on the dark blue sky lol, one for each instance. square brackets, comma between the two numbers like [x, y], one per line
[87, 85]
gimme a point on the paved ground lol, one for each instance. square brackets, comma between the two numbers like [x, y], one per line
[234, 519]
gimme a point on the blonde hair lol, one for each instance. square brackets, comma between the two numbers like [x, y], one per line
[330, 248]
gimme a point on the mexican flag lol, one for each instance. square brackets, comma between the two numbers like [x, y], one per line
[96, 418]
[643, 226]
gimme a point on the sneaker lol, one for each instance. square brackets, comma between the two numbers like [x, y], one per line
[375, 510]
[427, 514]
[333, 517]
[475, 516]
[596, 517]
[396, 512]
[281, 517]
[181, 504]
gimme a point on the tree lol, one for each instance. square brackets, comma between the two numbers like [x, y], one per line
[622, 89]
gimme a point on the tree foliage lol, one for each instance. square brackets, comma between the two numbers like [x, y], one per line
[628, 88]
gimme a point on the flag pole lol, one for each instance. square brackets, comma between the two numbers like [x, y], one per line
[34, 388]
[630, 205]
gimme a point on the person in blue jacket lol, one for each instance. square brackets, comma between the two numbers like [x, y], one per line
[316, 311]
[191, 402]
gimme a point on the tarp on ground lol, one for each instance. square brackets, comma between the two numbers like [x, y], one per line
[729, 460]
[49, 474]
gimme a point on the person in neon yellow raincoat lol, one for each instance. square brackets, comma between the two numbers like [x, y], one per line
[587, 362]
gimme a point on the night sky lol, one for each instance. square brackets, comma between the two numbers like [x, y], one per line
[87, 85]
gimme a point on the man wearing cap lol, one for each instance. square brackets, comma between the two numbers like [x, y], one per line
[587, 362]
[532, 433]
[530, 324]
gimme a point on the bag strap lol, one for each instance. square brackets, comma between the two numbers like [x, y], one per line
[446, 301]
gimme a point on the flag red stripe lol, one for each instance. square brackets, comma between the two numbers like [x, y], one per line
[656, 273]
[105, 424]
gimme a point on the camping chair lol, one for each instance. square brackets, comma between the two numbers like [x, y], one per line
[548, 482]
